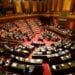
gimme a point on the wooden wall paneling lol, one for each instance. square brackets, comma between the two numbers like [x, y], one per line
[23, 6]
[50, 5]
[26, 4]
[7, 7]
[44, 6]
[5, 3]
[67, 5]
[17, 5]
[59, 5]
[53, 5]
[73, 6]
[39, 6]
[34, 6]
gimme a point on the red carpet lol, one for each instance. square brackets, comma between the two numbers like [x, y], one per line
[46, 69]
[48, 43]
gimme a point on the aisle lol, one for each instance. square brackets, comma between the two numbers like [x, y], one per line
[48, 43]
[46, 69]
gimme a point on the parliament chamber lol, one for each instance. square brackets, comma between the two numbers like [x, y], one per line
[37, 37]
